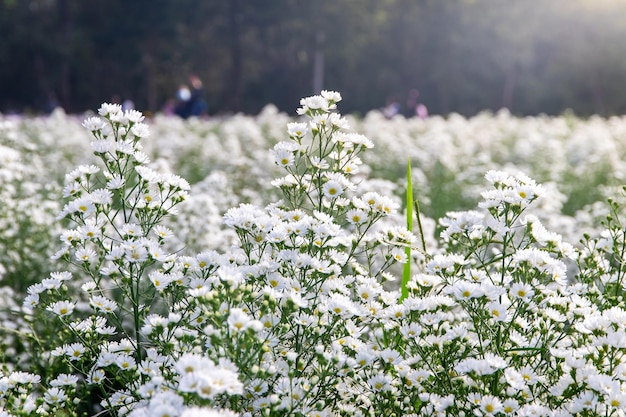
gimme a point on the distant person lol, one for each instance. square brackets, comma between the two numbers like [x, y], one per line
[190, 100]
[421, 111]
[197, 104]
[392, 108]
[181, 106]
[128, 104]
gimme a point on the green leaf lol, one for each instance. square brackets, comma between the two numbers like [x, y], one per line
[406, 271]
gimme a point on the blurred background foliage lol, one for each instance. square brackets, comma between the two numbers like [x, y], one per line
[464, 56]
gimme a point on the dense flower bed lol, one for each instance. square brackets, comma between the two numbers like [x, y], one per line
[277, 283]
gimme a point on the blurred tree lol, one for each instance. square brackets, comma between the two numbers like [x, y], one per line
[464, 56]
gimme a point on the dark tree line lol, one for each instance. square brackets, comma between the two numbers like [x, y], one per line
[464, 56]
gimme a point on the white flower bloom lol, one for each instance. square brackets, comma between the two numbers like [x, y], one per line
[140, 130]
[297, 130]
[125, 362]
[96, 377]
[519, 290]
[74, 351]
[93, 124]
[109, 108]
[86, 255]
[64, 379]
[54, 396]
[103, 146]
[52, 283]
[331, 96]
[332, 189]
[497, 311]
[62, 308]
[160, 280]
[147, 174]
[283, 158]
[116, 182]
[103, 304]
[239, 321]
[463, 290]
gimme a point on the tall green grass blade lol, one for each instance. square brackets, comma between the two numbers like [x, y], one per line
[406, 271]
[419, 225]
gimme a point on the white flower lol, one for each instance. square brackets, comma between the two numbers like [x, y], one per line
[147, 174]
[133, 116]
[490, 405]
[103, 146]
[380, 382]
[521, 291]
[54, 396]
[62, 308]
[497, 311]
[96, 377]
[230, 274]
[239, 321]
[94, 123]
[115, 183]
[332, 189]
[83, 205]
[162, 232]
[140, 130]
[125, 362]
[74, 351]
[463, 290]
[51, 283]
[64, 379]
[86, 255]
[331, 96]
[100, 303]
[109, 108]
[160, 280]
[297, 130]
[72, 189]
[283, 158]
[313, 103]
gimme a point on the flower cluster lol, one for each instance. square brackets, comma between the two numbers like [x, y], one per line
[302, 315]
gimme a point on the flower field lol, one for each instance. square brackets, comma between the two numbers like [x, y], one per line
[266, 265]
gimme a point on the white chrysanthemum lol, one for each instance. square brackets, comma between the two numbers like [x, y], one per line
[463, 290]
[497, 311]
[103, 146]
[147, 174]
[331, 96]
[115, 183]
[55, 396]
[62, 308]
[93, 123]
[490, 405]
[313, 103]
[160, 280]
[283, 158]
[332, 189]
[109, 108]
[103, 304]
[86, 255]
[239, 321]
[297, 130]
[445, 263]
[74, 351]
[51, 283]
[140, 130]
[64, 379]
